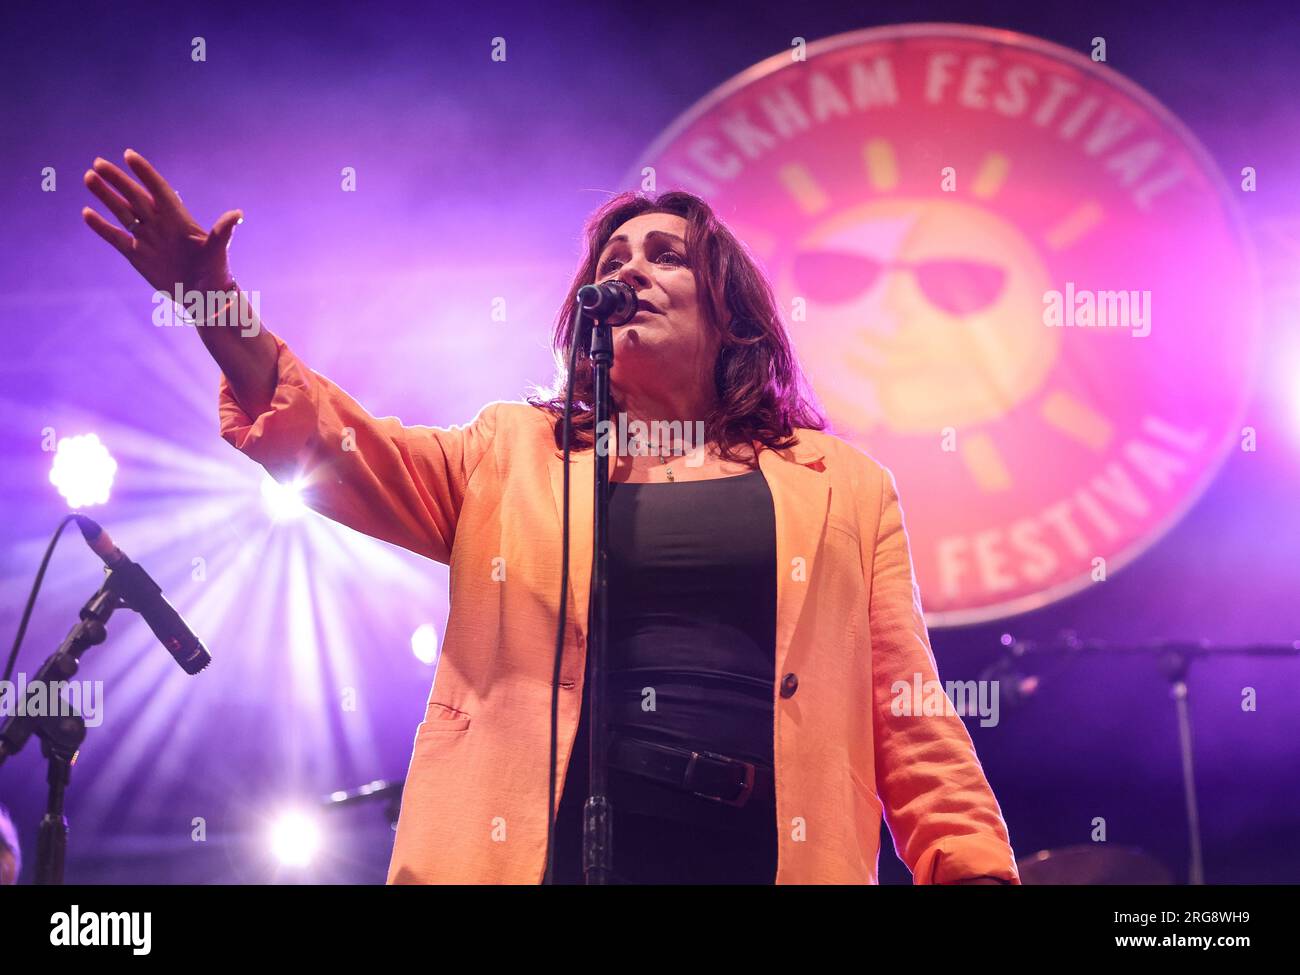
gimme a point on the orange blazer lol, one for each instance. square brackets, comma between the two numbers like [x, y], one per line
[485, 498]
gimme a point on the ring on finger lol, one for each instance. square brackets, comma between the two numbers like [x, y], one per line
[134, 225]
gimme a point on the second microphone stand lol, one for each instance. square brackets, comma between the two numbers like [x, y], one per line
[61, 734]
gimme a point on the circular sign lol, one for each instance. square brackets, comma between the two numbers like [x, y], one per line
[1011, 276]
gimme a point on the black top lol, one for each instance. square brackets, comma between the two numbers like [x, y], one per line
[692, 614]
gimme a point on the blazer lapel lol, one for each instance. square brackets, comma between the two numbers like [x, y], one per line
[800, 491]
[801, 494]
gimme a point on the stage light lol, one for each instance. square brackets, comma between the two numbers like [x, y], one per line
[83, 470]
[283, 501]
[424, 643]
[295, 839]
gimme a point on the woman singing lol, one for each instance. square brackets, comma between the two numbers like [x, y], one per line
[761, 592]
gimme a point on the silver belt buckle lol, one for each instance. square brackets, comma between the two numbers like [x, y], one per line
[746, 788]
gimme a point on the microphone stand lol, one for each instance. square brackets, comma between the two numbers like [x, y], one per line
[390, 792]
[597, 813]
[61, 735]
[596, 308]
[1175, 657]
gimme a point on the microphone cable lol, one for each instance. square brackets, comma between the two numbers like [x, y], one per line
[31, 599]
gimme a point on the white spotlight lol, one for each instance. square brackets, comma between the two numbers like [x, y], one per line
[283, 502]
[424, 643]
[295, 839]
[83, 470]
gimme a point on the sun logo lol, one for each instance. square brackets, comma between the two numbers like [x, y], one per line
[918, 195]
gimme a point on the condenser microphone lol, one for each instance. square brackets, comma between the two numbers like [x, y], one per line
[144, 596]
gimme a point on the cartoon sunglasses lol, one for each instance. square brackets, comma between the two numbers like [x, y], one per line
[958, 287]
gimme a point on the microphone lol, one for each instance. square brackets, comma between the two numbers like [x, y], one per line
[1014, 686]
[379, 789]
[133, 585]
[612, 302]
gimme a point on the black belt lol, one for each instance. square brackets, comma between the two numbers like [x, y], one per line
[706, 774]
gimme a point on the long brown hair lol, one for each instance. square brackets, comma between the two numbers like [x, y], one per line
[762, 393]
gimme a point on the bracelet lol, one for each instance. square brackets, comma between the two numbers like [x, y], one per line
[224, 308]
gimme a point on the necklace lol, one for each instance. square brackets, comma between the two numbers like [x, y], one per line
[668, 470]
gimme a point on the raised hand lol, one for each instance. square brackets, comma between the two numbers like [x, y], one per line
[157, 234]
[165, 244]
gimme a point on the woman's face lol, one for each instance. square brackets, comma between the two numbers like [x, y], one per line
[669, 341]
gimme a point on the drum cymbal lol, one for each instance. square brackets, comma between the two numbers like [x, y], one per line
[1092, 864]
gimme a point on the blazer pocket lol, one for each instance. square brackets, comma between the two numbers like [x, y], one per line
[442, 719]
[868, 808]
